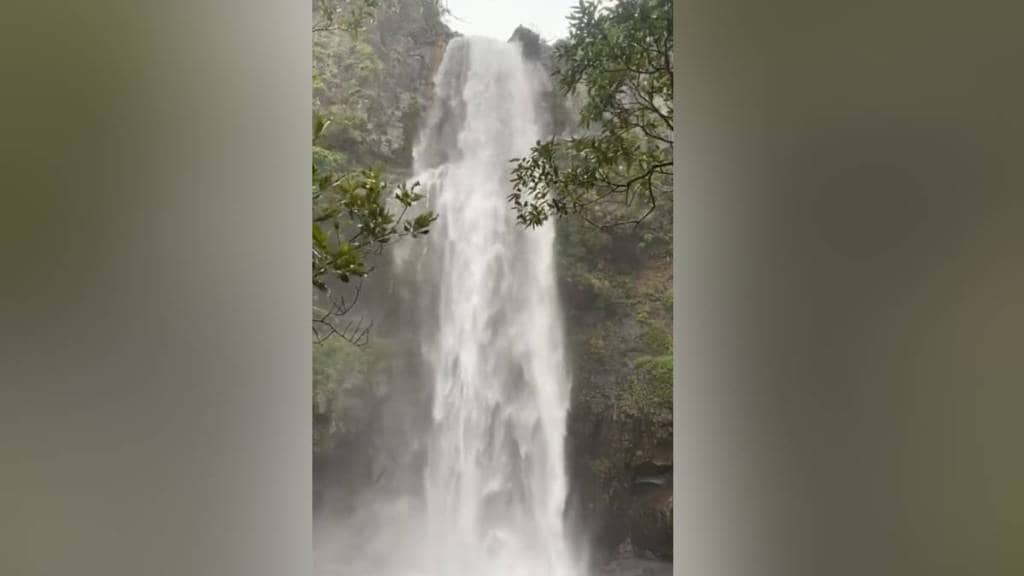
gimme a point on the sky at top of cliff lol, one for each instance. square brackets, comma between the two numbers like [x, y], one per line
[499, 18]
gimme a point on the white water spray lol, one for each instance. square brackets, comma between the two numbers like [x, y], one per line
[495, 479]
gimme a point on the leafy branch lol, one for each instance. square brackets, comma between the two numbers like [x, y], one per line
[350, 16]
[618, 60]
[355, 215]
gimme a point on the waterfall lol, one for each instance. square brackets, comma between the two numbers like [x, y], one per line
[487, 319]
[495, 480]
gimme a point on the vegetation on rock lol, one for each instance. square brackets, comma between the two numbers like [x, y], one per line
[373, 63]
[618, 300]
[619, 56]
[610, 182]
[366, 100]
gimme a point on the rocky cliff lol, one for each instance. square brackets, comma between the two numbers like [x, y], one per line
[616, 287]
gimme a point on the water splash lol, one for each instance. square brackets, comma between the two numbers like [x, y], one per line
[495, 481]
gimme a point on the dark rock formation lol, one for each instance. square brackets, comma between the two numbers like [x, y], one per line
[533, 47]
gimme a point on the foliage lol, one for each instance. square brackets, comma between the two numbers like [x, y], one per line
[342, 388]
[373, 82]
[605, 472]
[351, 16]
[351, 218]
[617, 292]
[649, 394]
[658, 339]
[365, 98]
[620, 58]
[615, 73]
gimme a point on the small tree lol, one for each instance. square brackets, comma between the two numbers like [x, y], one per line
[618, 61]
[356, 211]
[352, 219]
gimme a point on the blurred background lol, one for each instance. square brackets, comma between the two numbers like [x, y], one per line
[847, 318]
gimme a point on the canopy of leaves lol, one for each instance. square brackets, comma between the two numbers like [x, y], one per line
[352, 217]
[344, 384]
[370, 63]
[618, 60]
[355, 214]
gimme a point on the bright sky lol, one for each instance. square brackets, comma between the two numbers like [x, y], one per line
[499, 18]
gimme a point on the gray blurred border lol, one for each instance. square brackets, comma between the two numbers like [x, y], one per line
[154, 309]
[849, 285]
[848, 289]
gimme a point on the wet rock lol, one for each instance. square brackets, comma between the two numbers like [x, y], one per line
[649, 521]
[636, 567]
[533, 46]
[625, 550]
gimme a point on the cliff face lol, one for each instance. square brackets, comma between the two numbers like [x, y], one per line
[615, 286]
[617, 292]
[374, 86]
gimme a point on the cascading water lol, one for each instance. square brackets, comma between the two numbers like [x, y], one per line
[495, 480]
[488, 321]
